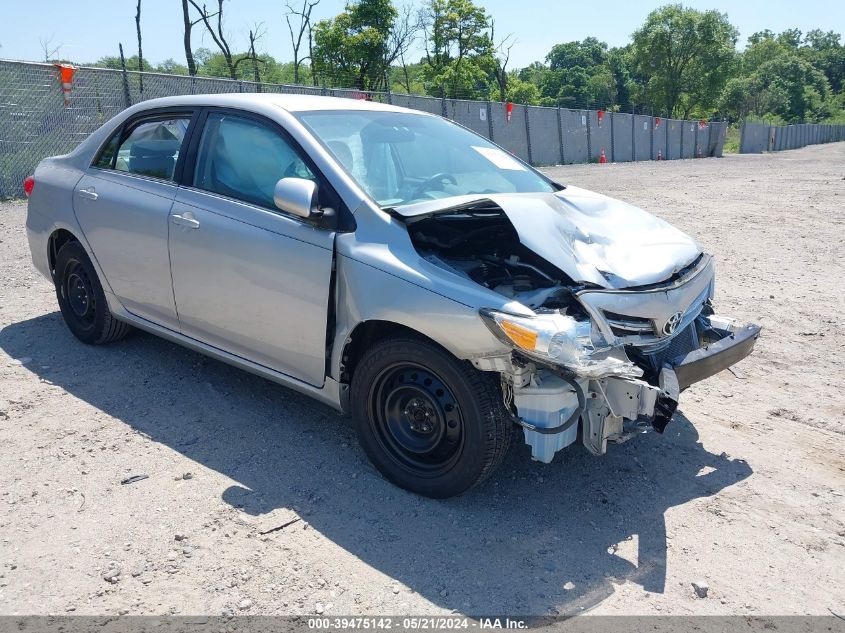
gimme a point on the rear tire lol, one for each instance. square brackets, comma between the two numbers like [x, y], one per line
[430, 423]
[82, 300]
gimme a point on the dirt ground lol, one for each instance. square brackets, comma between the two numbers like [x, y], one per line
[744, 490]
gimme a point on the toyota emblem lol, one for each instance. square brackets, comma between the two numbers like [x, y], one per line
[672, 323]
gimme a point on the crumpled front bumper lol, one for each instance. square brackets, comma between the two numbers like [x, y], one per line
[617, 408]
[724, 345]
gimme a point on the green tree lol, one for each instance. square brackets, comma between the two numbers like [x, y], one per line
[170, 67]
[586, 54]
[113, 61]
[762, 47]
[352, 49]
[791, 38]
[407, 79]
[578, 74]
[824, 51]
[618, 60]
[686, 57]
[210, 63]
[782, 78]
[459, 49]
[759, 36]
[745, 97]
[276, 72]
[803, 91]
[582, 73]
[523, 92]
[534, 73]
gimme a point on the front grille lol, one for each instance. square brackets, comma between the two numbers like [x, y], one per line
[623, 325]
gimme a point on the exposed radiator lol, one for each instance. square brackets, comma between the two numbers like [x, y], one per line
[682, 344]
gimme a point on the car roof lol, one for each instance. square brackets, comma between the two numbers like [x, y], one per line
[289, 102]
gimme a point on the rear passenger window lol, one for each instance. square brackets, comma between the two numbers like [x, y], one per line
[106, 158]
[152, 148]
[244, 159]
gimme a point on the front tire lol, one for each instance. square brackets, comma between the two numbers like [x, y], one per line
[82, 300]
[429, 423]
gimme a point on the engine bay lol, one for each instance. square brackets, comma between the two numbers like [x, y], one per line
[481, 244]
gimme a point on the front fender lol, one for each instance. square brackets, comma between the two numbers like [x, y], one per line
[366, 293]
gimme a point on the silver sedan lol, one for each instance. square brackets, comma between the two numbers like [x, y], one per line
[387, 262]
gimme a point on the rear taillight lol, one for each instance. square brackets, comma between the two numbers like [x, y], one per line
[29, 185]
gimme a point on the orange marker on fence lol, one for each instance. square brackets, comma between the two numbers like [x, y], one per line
[602, 158]
[66, 77]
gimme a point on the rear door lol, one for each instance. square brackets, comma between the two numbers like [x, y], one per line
[123, 203]
[247, 277]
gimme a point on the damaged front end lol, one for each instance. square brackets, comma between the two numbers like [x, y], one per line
[603, 352]
[614, 401]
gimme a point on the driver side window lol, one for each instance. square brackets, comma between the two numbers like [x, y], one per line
[243, 159]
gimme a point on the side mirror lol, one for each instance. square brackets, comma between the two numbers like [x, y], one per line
[297, 196]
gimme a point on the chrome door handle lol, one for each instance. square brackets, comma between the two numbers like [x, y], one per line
[187, 219]
[90, 193]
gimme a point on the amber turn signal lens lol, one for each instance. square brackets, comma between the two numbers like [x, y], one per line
[523, 337]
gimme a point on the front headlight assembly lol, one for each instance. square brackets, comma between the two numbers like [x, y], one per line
[561, 340]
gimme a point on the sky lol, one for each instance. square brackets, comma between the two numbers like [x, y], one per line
[87, 30]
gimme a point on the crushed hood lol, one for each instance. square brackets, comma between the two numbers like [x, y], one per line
[590, 237]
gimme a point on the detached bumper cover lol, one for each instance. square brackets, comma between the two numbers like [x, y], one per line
[732, 346]
[667, 399]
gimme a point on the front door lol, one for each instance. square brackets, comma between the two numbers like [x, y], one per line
[247, 277]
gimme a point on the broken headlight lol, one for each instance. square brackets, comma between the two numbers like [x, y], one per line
[561, 340]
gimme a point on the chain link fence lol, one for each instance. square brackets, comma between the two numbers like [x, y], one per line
[760, 137]
[36, 122]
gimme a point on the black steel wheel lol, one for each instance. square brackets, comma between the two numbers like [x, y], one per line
[77, 290]
[430, 423]
[416, 419]
[81, 298]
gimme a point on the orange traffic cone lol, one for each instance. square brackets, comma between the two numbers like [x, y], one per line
[659, 154]
[602, 158]
[66, 76]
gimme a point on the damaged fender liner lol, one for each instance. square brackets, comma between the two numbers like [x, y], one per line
[715, 357]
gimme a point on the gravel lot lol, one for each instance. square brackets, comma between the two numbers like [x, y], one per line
[743, 492]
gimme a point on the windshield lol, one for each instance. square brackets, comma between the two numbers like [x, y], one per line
[400, 158]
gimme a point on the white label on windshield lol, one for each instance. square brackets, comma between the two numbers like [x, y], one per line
[499, 158]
